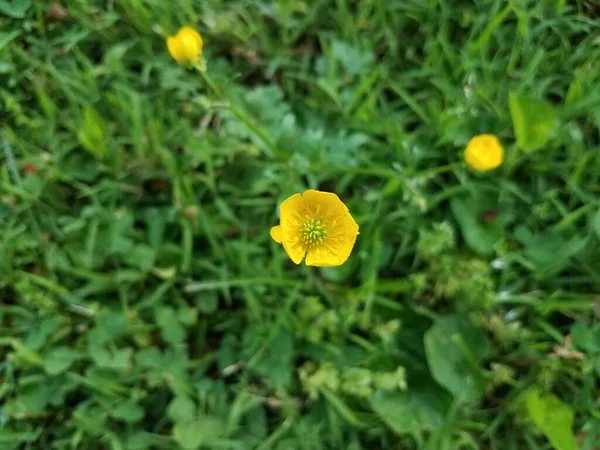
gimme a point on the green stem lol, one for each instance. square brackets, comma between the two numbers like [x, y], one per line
[438, 170]
[242, 116]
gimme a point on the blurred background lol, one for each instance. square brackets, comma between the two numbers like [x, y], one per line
[143, 304]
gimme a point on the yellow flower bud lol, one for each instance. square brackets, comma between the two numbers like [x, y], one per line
[186, 46]
[484, 152]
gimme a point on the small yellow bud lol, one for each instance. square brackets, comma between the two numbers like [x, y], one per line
[186, 46]
[484, 152]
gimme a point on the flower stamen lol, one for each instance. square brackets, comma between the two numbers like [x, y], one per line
[313, 232]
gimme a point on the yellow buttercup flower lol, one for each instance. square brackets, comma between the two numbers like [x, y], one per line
[317, 225]
[186, 46]
[484, 152]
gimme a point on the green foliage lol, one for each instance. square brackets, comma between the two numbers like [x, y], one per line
[143, 305]
[553, 417]
[534, 121]
[454, 349]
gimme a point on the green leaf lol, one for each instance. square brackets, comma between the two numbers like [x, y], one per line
[92, 134]
[59, 360]
[276, 357]
[534, 120]
[586, 338]
[549, 252]
[576, 90]
[207, 302]
[15, 8]
[596, 224]
[7, 37]
[188, 434]
[141, 257]
[553, 417]
[181, 409]
[479, 236]
[117, 359]
[193, 434]
[129, 412]
[422, 408]
[454, 347]
[172, 331]
[25, 355]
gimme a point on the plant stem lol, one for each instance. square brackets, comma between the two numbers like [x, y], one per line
[252, 126]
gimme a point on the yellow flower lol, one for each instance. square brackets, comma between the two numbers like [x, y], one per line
[316, 225]
[484, 152]
[186, 46]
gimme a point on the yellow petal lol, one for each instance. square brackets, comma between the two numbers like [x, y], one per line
[191, 50]
[325, 256]
[186, 46]
[291, 208]
[291, 212]
[175, 49]
[276, 234]
[189, 31]
[324, 201]
[340, 226]
[484, 152]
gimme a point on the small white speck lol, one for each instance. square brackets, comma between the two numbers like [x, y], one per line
[503, 295]
[499, 264]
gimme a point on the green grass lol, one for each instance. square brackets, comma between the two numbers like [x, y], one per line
[143, 304]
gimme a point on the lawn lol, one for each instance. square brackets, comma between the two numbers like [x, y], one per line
[144, 304]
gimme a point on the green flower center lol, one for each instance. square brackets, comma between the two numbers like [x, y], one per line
[313, 231]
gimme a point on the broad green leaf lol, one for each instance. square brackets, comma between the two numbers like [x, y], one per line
[395, 409]
[549, 252]
[141, 257]
[586, 338]
[479, 236]
[276, 357]
[534, 121]
[188, 434]
[193, 434]
[15, 8]
[129, 412]
[59, 360]
[115, 359]
[38, 336]
[553, 417]
[207, 302]
[422, 407]
[171, 330]
[454, 347]
[181, 409]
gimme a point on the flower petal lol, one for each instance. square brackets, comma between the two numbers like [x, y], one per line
[484, 152]
[292, 214]
[276, 234]
[340, 226]
[175, 49]
[291, 208]
[190, 46]
[325, 256]
[324, 201]
[189, 31]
